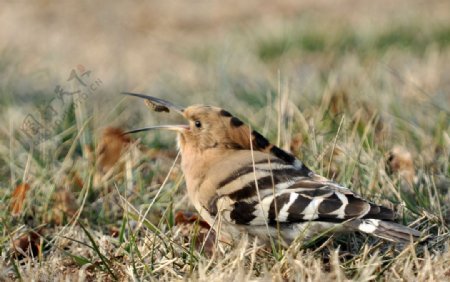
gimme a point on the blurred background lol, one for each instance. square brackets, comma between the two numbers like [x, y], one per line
[214, 52]
[382, 60]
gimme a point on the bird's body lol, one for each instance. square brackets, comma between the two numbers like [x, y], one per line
[231, 200]
[239, 182]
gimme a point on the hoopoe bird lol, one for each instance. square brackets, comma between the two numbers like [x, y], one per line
[239, 182]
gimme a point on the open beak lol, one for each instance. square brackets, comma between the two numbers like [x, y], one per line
[159, 105]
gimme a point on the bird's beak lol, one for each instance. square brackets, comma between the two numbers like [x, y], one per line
[179, 128]
[159, 105]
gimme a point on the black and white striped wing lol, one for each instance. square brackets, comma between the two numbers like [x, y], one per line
[297, 205]
[258, 194]
[282, 190]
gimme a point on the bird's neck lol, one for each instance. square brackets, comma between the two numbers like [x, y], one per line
[195, 164]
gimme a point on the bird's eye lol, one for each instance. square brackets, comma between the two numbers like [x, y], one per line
[198, 124]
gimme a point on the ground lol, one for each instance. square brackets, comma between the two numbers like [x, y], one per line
[358, 90]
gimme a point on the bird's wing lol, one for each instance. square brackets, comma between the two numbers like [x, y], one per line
[274, 192]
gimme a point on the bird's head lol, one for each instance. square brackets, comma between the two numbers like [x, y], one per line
[211, 127]
[207, 127]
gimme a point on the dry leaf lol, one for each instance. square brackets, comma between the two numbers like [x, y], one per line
[73, 181]
[184, 217]
[18, 197]
[89, 151]
[111, 147]
[296, 143]
[333, 159]
[339, 102]
[401, 163]
[114, 231]
[65, 206]
[113, 144]
[27, 244]
[189, 223]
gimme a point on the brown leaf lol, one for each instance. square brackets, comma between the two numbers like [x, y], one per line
[27, 244]
[185, 217]
[296, 143]
[114, 231]
[73, 181]
[401, 163]
[189, 224]
[333, 160]
[65, 206]
[113, 144]
[89, 151]
[18, 197]
[339, 102]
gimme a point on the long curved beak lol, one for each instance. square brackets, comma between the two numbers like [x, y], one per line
[159, 105]
[179, 128]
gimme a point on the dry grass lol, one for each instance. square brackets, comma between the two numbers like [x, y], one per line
[358, 90]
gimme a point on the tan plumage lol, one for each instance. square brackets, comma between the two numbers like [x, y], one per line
[239, 182]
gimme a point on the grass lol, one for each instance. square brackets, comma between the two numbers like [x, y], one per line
[405, 38]
[339, 94]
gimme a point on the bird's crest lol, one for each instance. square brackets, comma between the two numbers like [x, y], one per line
[213, 127]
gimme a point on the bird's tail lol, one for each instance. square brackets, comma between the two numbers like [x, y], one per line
[387, 230]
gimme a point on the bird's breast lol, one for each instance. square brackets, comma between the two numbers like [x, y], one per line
[205, 172]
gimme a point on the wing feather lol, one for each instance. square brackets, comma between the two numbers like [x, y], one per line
[289, 196]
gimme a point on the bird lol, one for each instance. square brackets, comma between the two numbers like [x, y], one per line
[240, 183]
